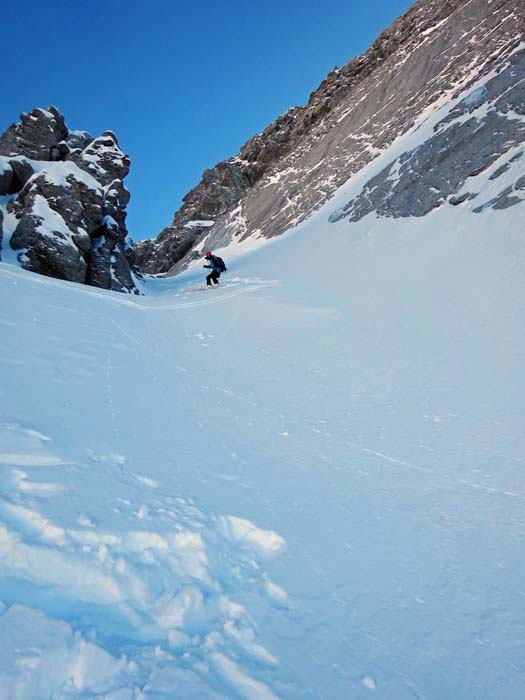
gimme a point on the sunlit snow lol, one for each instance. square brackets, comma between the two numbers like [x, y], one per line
[307, 483]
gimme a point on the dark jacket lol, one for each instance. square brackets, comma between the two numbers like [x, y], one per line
[213, 265]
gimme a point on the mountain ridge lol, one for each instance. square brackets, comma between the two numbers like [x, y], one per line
[291, 168]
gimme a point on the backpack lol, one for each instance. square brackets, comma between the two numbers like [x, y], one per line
[220, 263]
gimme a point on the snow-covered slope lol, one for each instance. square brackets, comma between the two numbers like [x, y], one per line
[307, 483]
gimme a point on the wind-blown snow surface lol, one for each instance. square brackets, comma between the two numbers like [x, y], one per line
[307, 483]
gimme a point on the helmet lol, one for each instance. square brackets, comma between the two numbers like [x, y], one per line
[209, 254]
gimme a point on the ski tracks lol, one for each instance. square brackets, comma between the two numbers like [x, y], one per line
[215, 295]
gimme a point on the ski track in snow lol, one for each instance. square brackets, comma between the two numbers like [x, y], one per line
[91, 567]
[434, 473]
[187, 589]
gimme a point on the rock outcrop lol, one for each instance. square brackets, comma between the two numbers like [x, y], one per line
[66, 193]
[35, 135]
[285, 173]
[487, 127]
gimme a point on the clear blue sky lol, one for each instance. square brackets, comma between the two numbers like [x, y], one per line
[183, 84]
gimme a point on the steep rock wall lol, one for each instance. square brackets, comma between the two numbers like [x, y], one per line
[280, 176]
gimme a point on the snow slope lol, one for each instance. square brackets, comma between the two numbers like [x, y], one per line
[305, 484]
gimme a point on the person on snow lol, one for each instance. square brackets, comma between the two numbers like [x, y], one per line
[216, 265]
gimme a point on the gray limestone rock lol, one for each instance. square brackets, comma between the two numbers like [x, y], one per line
[70, 204]
[465, 197]
[23, 171]
[146, 255]
[111, 258]
[508, 197]
[503, 169]
[116, 199]
[99, 271]
[104, 160]
[293, 167]
[14, 173]
[109, 268]
[47, 250]
[130, 254]
[480, 130]
[79, 203]
[499, 171]
[6, 177]
[122, 275]
[78, 140]
[35, 134]
[520, 183]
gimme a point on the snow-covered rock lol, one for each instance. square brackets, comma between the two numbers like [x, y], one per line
[6, 176]
[104, 159]
[68, 202]
[486, 128]
[35, 135]
[47, 244]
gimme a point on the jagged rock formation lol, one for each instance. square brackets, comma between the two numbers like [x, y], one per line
[280, 176]
[66, 195]
[35, 134]
[485, 128]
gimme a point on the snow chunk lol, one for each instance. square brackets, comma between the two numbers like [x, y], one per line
[40, 655]
[247, 687]
[29, 460]
[265, 544]
[277, 595]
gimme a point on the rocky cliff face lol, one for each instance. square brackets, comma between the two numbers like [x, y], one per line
[484, 133]
[63, 196]
[280, 176]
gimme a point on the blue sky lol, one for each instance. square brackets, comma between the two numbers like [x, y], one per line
[183, 84]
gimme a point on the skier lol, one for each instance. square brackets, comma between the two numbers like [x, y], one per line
[216, 265]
